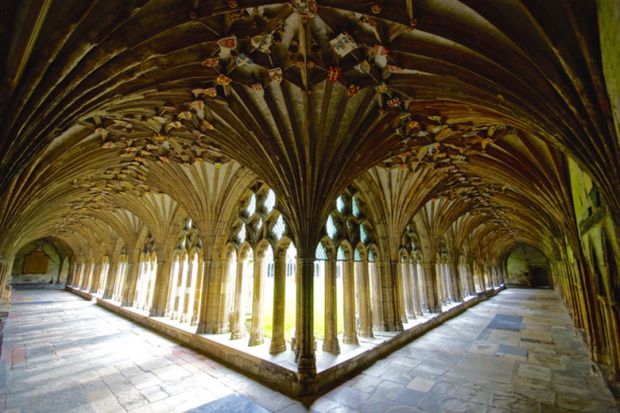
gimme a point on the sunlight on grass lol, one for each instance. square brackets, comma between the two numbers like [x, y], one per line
[290, 307]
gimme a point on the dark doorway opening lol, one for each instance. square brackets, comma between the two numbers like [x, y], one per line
[539, 277]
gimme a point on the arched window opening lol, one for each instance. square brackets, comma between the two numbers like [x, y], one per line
[279, 228]
[270, 201]
[363, 234]
[251, 209]
[183, 301]
[357, 212]
[330, 228]
[340, 204]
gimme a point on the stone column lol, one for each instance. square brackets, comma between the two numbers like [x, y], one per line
[499, 275]
[488, 277]
[256, 329]
[408, 287]
[441, 288]
[70, 273]
[85, 278]
[449, 280]
[80, 274]
[471, 289]
[470, 274]
[401, 293]
[306, 364]
[162, 285]
[298, 311]
[187, 292]
[94, 285]
[224, 303]
[416, 287]
[208, 322]
[448, 277]
[457, 289]
[131, 280]
[237, 328]
[611, 324]
[199, 290]
[88, 275]
[111, 280]
[69, 270]
[4, 276]
[139, 282]
[363, 299]
[330, 343]
[483, 281]
[432, 292]
[60, 268]
[6, 268]
[278, 344]
[389, 296]
[376, 296]
[348, 293]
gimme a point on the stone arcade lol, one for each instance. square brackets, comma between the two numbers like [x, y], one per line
[298, 189]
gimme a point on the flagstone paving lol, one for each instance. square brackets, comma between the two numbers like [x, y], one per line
[516, 352]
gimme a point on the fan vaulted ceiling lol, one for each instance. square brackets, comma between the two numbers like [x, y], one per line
[106, 104]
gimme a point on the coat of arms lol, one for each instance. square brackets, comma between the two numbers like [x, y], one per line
[343, 44]
[276, 74]
[243, 60]
[229, 42]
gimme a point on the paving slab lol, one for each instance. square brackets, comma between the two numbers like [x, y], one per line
[516, 352]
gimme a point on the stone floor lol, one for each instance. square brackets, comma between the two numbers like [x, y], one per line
[516, 352]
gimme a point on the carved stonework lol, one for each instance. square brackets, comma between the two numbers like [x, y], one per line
[35, 263]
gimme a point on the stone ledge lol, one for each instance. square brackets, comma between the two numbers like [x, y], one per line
[335, 375]
[271, 374]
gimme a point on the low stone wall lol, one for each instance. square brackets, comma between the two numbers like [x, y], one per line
[340, 373]
[271, 374]
[38, 286]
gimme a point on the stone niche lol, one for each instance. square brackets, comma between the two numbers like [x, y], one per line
[528, 267]
[37, 262]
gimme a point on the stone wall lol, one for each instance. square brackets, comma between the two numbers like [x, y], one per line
[526, 266]
[37, 262]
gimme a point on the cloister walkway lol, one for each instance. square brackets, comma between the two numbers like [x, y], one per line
[516, 352]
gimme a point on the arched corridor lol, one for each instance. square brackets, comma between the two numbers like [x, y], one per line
[299, 188]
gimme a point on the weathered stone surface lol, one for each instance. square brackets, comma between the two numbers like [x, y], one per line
[113, 366]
